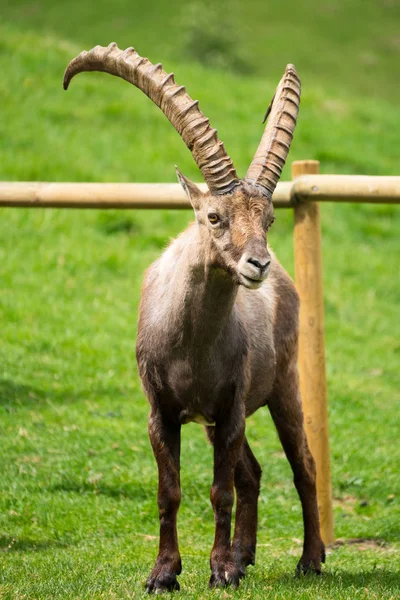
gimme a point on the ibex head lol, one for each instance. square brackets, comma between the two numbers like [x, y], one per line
[235, 213]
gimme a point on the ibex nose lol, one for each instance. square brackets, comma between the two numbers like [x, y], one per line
[262, 266]
[254, 265]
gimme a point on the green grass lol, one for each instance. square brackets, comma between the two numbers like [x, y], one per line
[78, 512]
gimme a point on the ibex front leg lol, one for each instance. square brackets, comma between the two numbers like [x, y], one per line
[228, 438]
[165, 440]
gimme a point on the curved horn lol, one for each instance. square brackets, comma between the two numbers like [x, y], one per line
[191, 124]
[269, 160]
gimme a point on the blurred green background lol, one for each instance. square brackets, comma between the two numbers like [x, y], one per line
[78, 512]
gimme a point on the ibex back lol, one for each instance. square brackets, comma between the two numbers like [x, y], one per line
[218, 327]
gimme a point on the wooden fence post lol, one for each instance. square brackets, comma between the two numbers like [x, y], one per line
[308, 273]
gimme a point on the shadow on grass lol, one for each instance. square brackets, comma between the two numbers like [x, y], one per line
[375, 579]
[14, 544]
[11, 393]
[379, 578]
[121, 492]
[14, 394]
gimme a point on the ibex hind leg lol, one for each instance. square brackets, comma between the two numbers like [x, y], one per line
[247, 485]
[286, 411]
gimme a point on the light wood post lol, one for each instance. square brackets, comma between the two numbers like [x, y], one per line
[308, 271]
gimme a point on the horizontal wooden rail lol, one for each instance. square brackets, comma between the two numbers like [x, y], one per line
[335, 188]
[109, 195]
[347, 188]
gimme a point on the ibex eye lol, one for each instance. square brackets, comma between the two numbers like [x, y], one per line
[213, 218]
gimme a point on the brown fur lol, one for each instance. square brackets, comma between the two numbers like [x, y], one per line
[211, 349]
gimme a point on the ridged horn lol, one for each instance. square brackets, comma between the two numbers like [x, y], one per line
[269, 160]
[191, 124]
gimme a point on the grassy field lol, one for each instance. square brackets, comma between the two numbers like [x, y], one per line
[78, 514]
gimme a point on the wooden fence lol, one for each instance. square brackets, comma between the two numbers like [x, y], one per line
[303, 193]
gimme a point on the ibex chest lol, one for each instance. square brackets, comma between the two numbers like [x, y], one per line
[201, 385]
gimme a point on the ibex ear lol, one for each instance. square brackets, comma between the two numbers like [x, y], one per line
[191, 190]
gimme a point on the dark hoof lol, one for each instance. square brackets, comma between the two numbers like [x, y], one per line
[224, 576]
[311, 564]
[244, 558]
[162, 583]
[242, 564]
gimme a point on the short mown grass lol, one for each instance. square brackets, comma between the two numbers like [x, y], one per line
[78, 515]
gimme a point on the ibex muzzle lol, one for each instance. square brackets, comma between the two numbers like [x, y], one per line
[218, 327]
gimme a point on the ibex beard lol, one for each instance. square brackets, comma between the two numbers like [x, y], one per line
[218, 327]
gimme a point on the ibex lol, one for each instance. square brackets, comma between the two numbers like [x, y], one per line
[218, 327]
